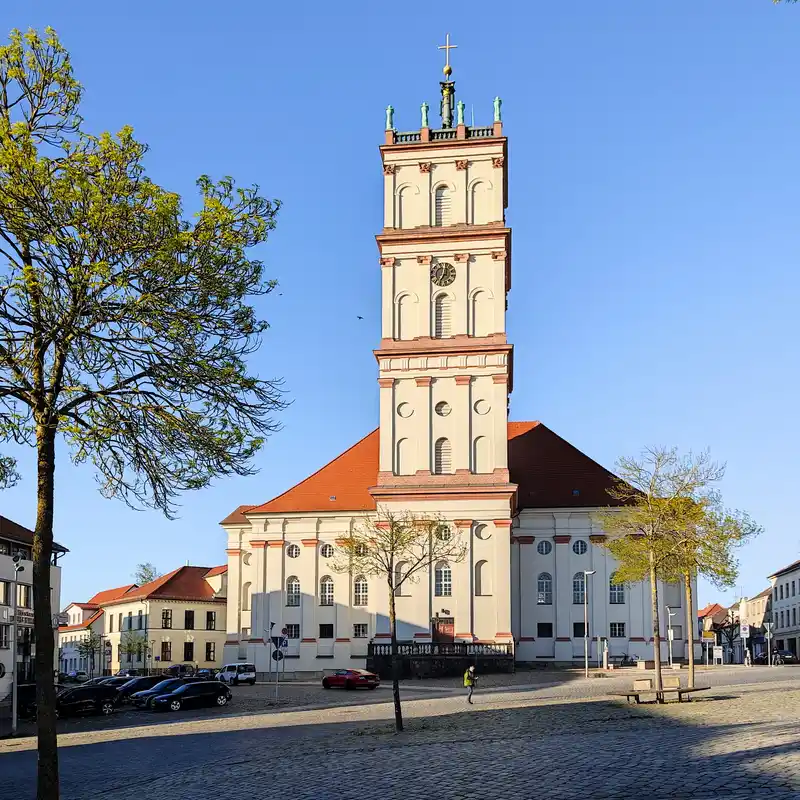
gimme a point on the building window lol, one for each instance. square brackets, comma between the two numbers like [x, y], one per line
[544, 589]
[579, 547]
[326, 631]
[326, 551]
[188, 651]
[111, 623]
[326, 591]
[293, 591]
[130, 620]
[544, 547]
[188, 620]
[360, 630]
[443, 580]
[292, 631]
[544, 630]
[441, 206]
[442, 457]
[579, 588]
[794, 616]
[616, 592]
[166, 651]
[616, 630]
[792, 588]
[483, 579]
[578, 630]
[360, 591]
[139, 621]
[246, 596]
[442, 317]
[782, 625]
[119, 622]
[780, 589]
[23, 595]
[211, 620]
[5, 635]
[293, 550]
[399, 572]
[166, 618]
[677, 632]
[211, 651]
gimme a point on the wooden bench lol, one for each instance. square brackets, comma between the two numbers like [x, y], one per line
[671, 685]
[642, 686]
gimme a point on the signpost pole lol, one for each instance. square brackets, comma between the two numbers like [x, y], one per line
[768, 626]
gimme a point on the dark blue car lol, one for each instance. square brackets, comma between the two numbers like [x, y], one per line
[193, 695]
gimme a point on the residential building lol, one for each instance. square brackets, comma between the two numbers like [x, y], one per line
[758, 610]
[786, 608]
[81, 643]
[177, 618]
[18, 540]
[519, 495]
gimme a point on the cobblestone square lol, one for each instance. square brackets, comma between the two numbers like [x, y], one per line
[569, 740]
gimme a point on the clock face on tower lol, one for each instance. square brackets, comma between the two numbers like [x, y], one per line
[442, 273]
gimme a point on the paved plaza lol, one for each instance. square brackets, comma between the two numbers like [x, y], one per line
[556, 739]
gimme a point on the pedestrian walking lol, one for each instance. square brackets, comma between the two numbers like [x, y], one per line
[469, 683]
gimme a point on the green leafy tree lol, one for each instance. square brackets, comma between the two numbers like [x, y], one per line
[124, 328]
[133, 645]
[88, 647]
[397, 548]
[145, 573]
[670, 526]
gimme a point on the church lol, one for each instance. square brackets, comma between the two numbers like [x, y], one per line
[519, 495]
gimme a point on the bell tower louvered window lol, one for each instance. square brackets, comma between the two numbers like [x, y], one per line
[442, 316]
[441, 207]
[442, 457]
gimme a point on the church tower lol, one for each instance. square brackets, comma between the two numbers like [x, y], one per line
[445, 365]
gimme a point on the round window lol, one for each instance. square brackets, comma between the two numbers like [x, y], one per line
[482, 532]
[327, 550]
[293, 550]
[442, 408]
[405, 410]
[482, 407]
[443, 533]
[544, 547]
[579, 548]
[360, 549]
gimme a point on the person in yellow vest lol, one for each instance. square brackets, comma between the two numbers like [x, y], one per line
[469, 683]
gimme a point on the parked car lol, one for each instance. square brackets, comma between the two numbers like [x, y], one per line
[117, 681]
[234, 674]
[138, 685]
[76, 676]
[192, 695]
[206, 674]
[778, 657]
[96, 680]
[99, 699]
[351, 679]
[130, 673]
[179, 670]
[145, 697]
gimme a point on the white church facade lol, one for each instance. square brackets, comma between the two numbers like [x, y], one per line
[520, 497]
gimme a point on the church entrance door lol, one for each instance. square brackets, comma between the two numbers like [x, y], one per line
[443, 629]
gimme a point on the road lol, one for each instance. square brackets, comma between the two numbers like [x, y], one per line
[541, 739]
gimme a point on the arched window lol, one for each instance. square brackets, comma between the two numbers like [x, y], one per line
[616, 592]
[293, 591]
[326, 591]
[544, 589]
[481, 307]
[441, 206]
[479, 203]
[403, 207]
[405, 314]
[578, 588]
[483, 578]
[246, 596]
[404, 457]
[360, 591]
[442, 580]
[399, 571]
[480, 455]
[442, 457]
[442, 317]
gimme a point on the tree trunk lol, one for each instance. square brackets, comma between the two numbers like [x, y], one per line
[47, 775]
[398, 711]
[687, 578]
[656, 622]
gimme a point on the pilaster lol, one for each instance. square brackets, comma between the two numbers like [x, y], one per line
[502, 581]
[387, 439]
[423, 406]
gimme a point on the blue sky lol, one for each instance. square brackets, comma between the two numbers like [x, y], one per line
[654, 166]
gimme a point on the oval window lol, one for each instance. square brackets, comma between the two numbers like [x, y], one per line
[442, 408]
[482, 407]
[405, 410]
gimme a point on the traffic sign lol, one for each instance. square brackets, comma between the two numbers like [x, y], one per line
[709, 636]
[671, 634]
[744, 630]
[277, 655]
[284, 643]
[284, 631]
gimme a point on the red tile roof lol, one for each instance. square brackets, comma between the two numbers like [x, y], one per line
[217, 571]
[107, 595]
[710, 610]
[81, 626]
[184, 583]
[549, 471]
[237, 517]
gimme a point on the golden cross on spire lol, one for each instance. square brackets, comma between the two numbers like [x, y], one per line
[447, 47]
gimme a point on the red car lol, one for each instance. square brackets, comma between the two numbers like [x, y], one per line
[351, 679]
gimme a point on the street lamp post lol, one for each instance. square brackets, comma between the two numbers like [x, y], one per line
[586, 574]
[14, 661]
[670, 614]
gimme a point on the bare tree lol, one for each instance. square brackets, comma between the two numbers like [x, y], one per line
[397, 547]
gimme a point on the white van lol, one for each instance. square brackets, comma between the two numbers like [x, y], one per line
[238, 673]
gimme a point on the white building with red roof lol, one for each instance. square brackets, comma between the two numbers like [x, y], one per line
[519, 495]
